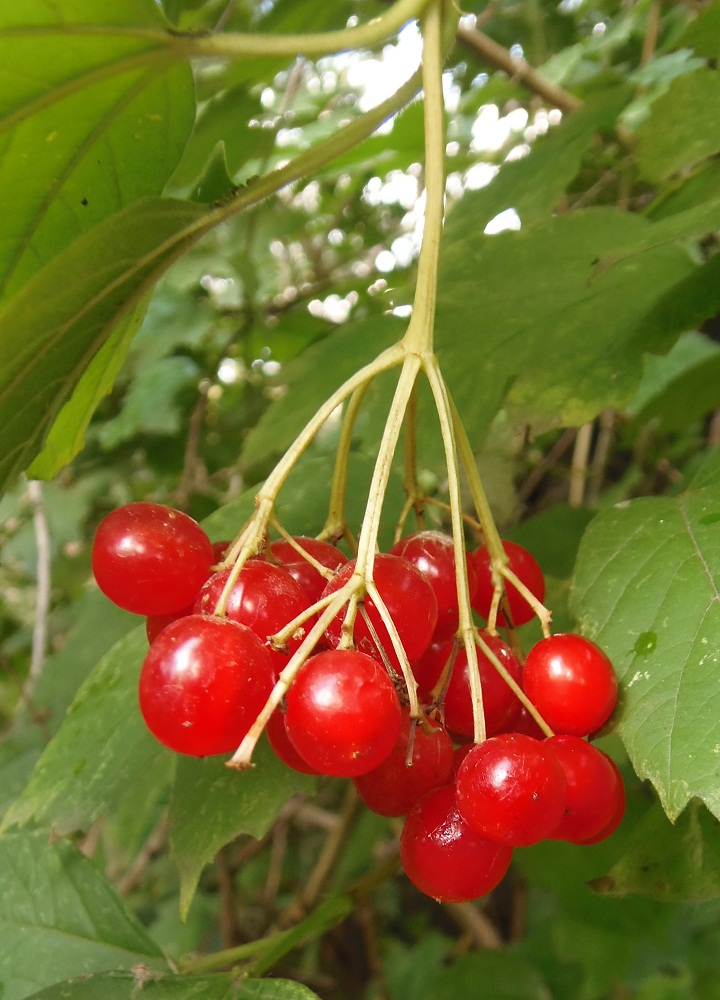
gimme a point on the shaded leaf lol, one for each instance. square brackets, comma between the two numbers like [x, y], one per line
[51, 330]
[502, 296]
[102, 746]
[128, 986]
[212, 804]
[670, 863]
[683, 128]
[67, 434]
[489, 975]
[90, 122]
[646, 589]
[60, 917]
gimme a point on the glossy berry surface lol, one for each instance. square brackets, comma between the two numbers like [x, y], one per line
[524, 566]
[499, 702]
[511, 789]
[392, 788]
[432, 553]
[443, 857]
[203, 683]
[343, 713]
[619, 808]
[592, 789]
[282, 747]
[409, 599]
[312, 582]
[265, 598]
[150, 559]
[572, 684]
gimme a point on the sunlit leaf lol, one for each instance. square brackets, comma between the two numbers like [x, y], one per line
[91, 120]
[143, 981]
[646, 589]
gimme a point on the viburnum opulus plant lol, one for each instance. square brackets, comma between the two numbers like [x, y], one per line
[365, 664]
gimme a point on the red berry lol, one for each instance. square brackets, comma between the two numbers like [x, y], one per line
[312, 582]
[219, 550]
[527, 570]
[343, 713]
[619, 809]
[282, 747]
[572, 684]
[511, 789]
[428, 667]
[150, 559]
[154, 624]
[499, 702]
[592, 789]
[392, 788]
[409, 599]
[203, 684]
[432, 553]
[443, 857]
[265, 598]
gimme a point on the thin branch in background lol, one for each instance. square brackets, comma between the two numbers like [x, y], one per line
[278, 848]
[601, 454]
[194, 475]
[579, 467]
[42, 597]
[714, 430]
[473, 921]
[228, 906]
[652, 31]
[546, 463]
[518, 69]
[154, 844]
[224, 18]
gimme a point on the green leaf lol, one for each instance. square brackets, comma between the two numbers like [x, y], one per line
[55, 325]
[646, 589]
[212, 804]
[60, 917]
[503, 296]
[489, 975]
[534, 184]
[101, 748]
[683, 129]
[67, 434]
[669, 862]
[314, 376]
[90, 122]
[128, 986]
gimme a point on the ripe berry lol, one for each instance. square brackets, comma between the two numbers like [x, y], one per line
[265, 598]
[150, 559]
[282, 747]
[154, 624]
[572, 684]
[409, 599]
[592, 789]
[619, 808]
[203, 683]
[392, 788]
[312, 582]
[443, 857]
[499, 701]
[511, 789]
[343, 713]
[428, 667]
[432, 553]
[527, 570]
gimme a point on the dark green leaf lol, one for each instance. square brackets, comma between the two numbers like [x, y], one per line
[488, 975]
[502, 296]
[91, 122]
[212, 804]
[101, 748]
[646, 588]
[51, 330]
[683, 128]
[60, 917]
[669, 862]
[128, 986]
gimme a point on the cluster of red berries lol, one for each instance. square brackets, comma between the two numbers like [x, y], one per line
[206, 678]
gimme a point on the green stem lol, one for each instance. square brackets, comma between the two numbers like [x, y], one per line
[419, 335]
[335, 524]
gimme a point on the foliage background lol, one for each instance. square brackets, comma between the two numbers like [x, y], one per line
[158, 343]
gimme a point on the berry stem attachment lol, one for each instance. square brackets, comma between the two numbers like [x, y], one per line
[336, 524]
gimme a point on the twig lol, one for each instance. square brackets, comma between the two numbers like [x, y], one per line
[42, 596]
[600, 457]
[518, 68]
[152, 846]
[226, 883]
[578, 470]
[546, 463]
[194, 472]
[471, 919]
[652, 30]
